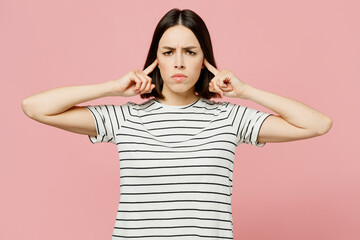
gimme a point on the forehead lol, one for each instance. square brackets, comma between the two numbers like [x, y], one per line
[178, 36]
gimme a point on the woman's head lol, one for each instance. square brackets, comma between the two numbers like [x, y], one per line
[177, 30]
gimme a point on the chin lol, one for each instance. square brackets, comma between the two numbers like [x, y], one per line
[179, 89]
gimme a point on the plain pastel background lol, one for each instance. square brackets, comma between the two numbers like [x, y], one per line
[57, 185]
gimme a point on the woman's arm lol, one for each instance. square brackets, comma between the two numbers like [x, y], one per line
[58, 100]
[296, 121]
[56, 107]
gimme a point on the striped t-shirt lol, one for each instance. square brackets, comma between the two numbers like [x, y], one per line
[176, 165]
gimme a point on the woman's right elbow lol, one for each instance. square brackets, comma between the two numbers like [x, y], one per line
[26, 107]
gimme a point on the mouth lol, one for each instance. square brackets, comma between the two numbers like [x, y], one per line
[178, 77]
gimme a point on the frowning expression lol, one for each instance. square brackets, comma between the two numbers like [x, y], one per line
[179, 52]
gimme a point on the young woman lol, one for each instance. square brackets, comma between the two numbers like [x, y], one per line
[177, 148]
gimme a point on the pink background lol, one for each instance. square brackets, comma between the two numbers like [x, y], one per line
[57, 185]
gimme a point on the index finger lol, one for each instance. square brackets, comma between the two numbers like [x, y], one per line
[151, 67]
[211, 68]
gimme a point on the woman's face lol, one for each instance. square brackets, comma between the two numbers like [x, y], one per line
[179, 52]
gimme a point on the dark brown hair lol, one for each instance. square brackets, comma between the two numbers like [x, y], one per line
[191, 20]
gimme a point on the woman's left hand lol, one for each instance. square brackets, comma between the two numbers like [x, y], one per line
[225, 82]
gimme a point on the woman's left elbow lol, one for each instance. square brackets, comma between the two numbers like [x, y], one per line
[326, 126]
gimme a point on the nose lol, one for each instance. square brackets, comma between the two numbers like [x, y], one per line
[179, 62]
[180, 66]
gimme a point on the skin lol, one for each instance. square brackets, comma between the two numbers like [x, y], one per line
[185, 61]
[295, 121]
[57, 107]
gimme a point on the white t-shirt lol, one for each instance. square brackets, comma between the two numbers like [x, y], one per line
[176, 165]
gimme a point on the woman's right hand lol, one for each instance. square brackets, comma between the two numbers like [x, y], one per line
[135, 82]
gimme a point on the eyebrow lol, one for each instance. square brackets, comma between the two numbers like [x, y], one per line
[170, 48]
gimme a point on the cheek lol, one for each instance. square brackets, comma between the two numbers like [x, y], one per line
[163, 67]
[197, 62]
[161, 62]
[196, 66]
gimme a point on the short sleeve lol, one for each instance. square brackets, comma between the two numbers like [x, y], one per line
[108, 119]
[247, 123]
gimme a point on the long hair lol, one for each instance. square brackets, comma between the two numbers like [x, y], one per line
[191, 20]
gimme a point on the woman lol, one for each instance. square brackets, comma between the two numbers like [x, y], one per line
[176, 149]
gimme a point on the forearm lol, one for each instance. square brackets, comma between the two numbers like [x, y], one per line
[294, 112]
[58, 100]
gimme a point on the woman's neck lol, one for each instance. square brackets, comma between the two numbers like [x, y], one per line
[178, 101]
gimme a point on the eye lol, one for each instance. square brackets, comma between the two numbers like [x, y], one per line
[166, 53]
[191, 52]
